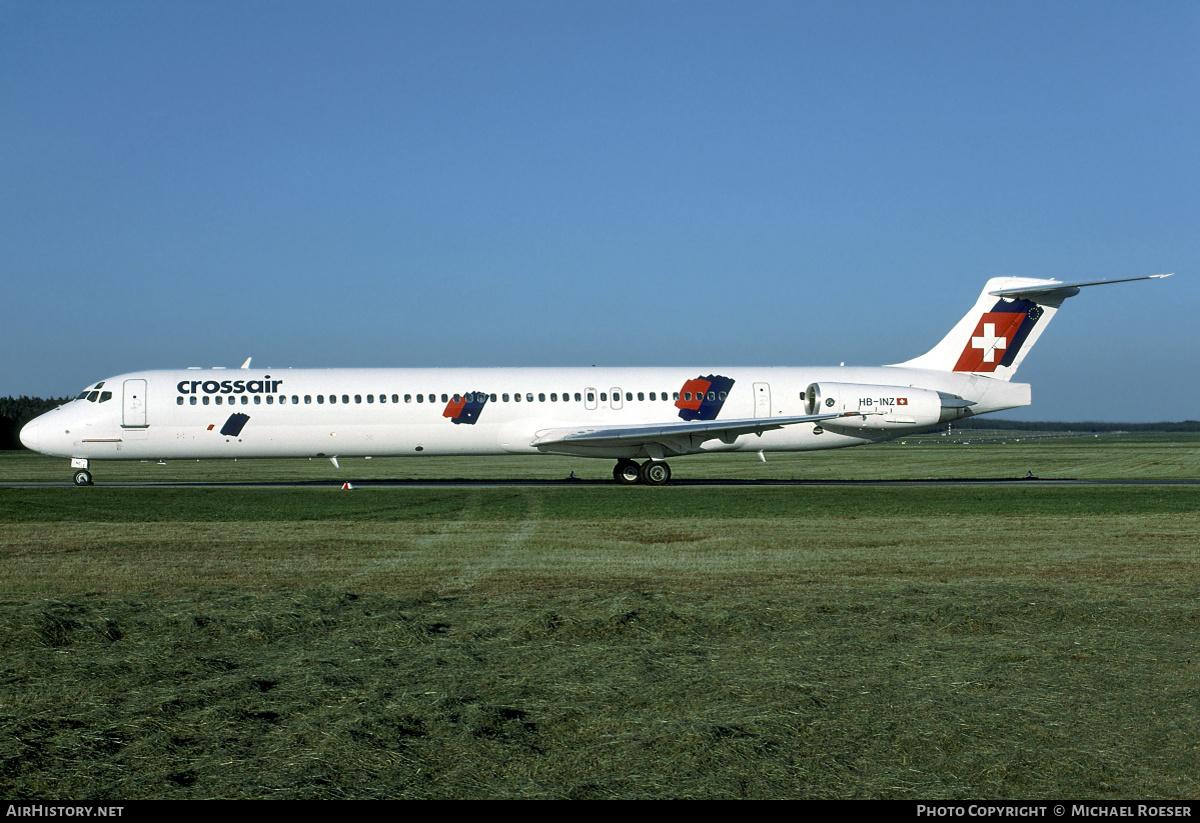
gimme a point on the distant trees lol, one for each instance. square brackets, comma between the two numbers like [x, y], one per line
[15, 412]
[986, 422]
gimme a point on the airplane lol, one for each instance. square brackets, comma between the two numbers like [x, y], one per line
[645, 414]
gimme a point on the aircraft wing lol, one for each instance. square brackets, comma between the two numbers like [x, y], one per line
[664, 438]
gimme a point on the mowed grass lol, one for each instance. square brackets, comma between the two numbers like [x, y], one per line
[585, 641]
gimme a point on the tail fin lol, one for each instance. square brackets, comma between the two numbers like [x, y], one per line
[996, 334]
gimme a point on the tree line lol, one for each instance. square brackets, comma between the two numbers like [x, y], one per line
[15, 412]
[986, 422]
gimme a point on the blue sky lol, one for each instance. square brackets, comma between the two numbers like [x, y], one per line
[620, 183]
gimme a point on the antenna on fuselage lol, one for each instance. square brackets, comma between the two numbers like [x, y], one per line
[246, 365]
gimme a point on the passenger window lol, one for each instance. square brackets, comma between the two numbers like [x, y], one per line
[179, 400]
[358, 398]
[577, 397]
[218, 399]
[370, 398]
[529, 397]
[603, 396]
[345, 398]
[320, 399]
[257, 399]
[396, 398]
[517, 398]
[504, 397]
[651, 395]
[204, 400]
[629, 395]
[408, 398]
[270, 399]
[307, 399]
[445, 399]
[192, 399]
[245, 400]
[541, 397]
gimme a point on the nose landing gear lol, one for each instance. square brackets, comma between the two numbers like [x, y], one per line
[650, 473]
[83, 477]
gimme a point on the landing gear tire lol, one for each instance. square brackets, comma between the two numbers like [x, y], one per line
[655, 473]
[83, 477]
[626, 472]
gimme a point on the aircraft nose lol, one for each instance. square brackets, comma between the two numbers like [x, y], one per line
[30, 436]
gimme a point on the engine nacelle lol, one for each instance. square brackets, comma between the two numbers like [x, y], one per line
[869, 406]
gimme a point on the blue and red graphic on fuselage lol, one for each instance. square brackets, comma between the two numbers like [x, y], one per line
[234, 425]
[465, 408]
[701, 398]
[998, 336]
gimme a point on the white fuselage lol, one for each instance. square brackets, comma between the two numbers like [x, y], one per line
[245, 413]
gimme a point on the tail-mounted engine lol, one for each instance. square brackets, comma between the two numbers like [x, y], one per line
[867, 406]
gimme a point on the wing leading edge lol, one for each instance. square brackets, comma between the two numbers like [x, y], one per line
[657, 440]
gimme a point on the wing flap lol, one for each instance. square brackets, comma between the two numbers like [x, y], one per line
[678, 438]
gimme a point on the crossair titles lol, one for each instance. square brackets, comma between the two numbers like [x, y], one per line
[264, 386]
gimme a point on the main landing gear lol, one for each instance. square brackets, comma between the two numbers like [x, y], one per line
[651, 473]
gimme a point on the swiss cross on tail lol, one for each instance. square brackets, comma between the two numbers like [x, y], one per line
[998, 336]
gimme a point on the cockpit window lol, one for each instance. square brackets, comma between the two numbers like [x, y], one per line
[105, 395]
[91, 394]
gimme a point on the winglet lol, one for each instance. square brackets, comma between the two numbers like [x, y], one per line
[246, 365]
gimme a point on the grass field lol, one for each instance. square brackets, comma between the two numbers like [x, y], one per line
[980, 641]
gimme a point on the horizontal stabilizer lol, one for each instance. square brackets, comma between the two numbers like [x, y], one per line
[1056, 288]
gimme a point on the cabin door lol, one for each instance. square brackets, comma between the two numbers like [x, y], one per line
[762, 399]
[133, 410]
